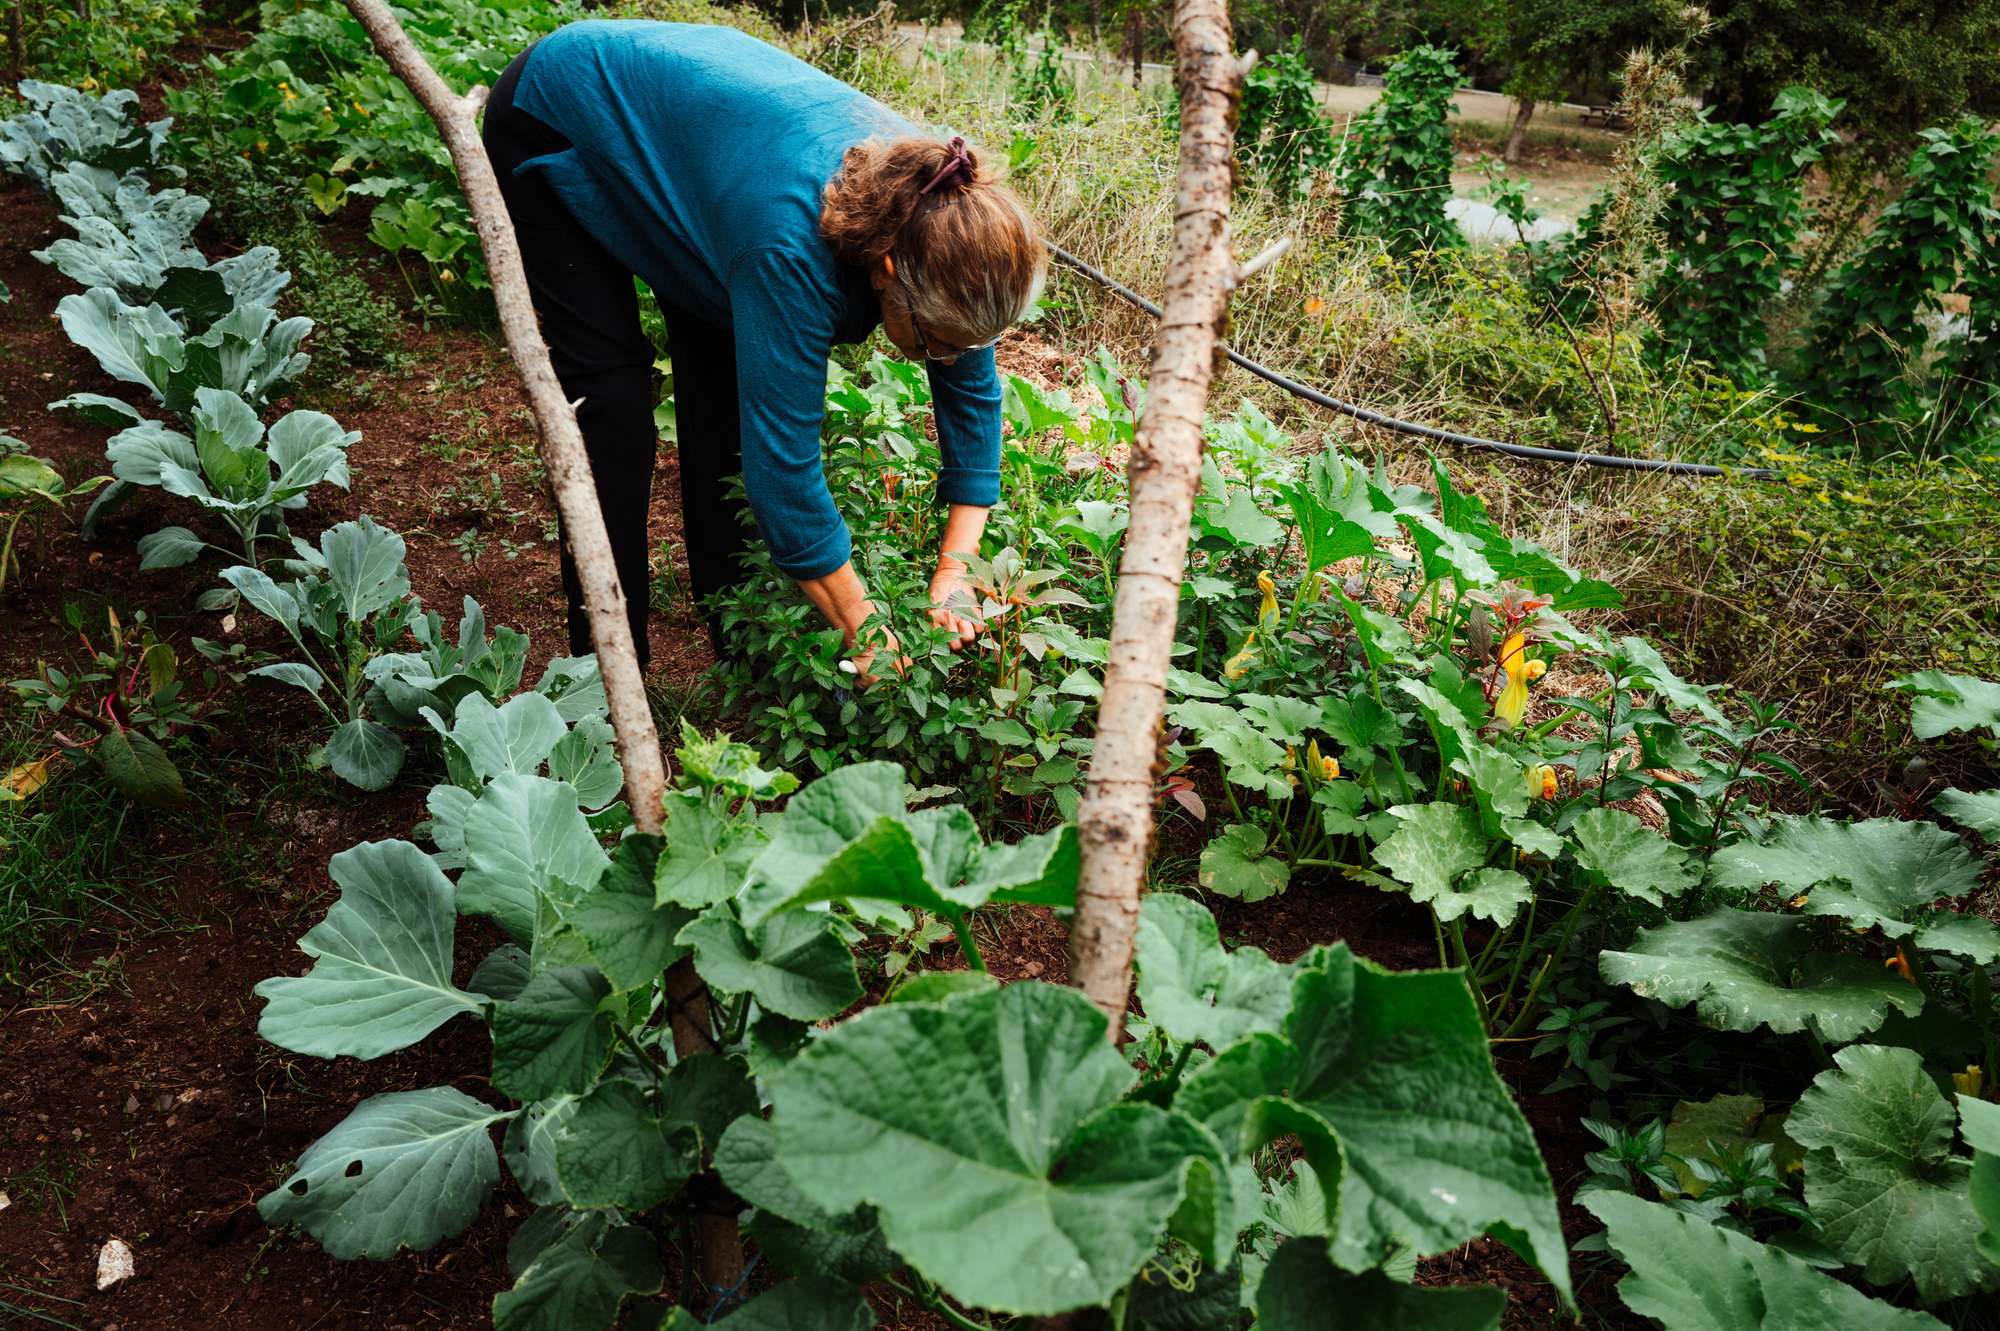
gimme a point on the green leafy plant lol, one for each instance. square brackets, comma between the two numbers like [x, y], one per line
[1395, 165]
[1866, 362]
[246, 476]
[64, 125]
[30, 488]
[138, 243]
[1280, 132]
[248, 350]
[1694, 1276]
[351, 596]
[1735, 204]
[131, 700]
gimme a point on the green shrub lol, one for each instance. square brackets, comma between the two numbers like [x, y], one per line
[1870, 365]
[1395, 167]
[1735, 205]
[1280, 133]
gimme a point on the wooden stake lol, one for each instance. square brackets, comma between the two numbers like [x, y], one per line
[1115, 821]
[568, 469]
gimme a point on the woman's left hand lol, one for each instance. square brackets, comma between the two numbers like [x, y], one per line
[951, 607]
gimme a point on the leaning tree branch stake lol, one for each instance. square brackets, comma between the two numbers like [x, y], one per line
[555, 419]
[568, 470]
[1115, 822]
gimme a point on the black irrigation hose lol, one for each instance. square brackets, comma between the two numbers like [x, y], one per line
[1368, 417]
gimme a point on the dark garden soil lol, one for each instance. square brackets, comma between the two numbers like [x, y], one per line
[136, 1100]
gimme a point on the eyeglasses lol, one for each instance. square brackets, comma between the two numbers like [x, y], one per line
[924, 346]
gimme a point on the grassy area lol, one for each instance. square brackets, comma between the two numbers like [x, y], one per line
[61, 862]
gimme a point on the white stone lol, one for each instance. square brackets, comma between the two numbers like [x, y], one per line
[114, 1263]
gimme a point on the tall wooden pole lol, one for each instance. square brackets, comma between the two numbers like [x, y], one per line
[568, 469]
[1115, 821]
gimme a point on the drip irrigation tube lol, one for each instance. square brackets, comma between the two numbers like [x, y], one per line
[1609, 461]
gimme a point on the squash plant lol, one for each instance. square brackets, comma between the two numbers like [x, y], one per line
[978, 1147]
[1868, 954]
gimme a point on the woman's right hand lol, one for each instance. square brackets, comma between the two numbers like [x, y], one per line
[840, 597]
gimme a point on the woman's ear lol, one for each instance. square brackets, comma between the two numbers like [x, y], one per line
[883, 273]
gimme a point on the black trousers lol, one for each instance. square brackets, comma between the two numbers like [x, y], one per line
[589, 313]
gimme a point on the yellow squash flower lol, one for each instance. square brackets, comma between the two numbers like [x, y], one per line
[1512, 704]
[1536, 669]
[1327, 767]
[1971, 1082]
[1542, 782]
[1237, 666]
[1900, 963]
[1267, 609]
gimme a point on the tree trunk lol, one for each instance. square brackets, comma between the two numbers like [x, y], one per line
[583, 521]
[1115, 822]
[1135, 40]
[1524, 111]
[17, 37]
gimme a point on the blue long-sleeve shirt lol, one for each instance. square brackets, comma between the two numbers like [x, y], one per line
[697, 159]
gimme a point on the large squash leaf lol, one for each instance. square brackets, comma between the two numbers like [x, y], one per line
[1436, 1151]
[985, 1132]
[794, 964]
[1981, 1121]
[1696, 1276]
[1194, 990]
[849, 837]
[1885, 1190]
[1622, 851]
[1946, 703]
[1879, 874]
[1737, 967]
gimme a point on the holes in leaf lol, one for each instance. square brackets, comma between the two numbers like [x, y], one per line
[353, 1169]
[297, 1188]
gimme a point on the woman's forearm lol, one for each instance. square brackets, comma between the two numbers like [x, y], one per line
[840, 598]
[964, 524]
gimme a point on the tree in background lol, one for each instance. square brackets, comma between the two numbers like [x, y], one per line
[1555, 49]
[1900, 65]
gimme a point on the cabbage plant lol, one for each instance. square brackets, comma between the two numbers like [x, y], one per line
[63, 125]
[248, 350]
[139, 243]
[347, 602]
[234, 468]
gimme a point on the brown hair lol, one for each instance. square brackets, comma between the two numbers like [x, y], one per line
[963, 243]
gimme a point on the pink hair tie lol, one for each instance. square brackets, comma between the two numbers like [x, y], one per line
[959, 161]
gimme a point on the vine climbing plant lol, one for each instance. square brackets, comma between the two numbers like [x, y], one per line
[1395, 168]
[1734, 208]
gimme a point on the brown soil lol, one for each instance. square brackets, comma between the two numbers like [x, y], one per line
[136, 1100]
